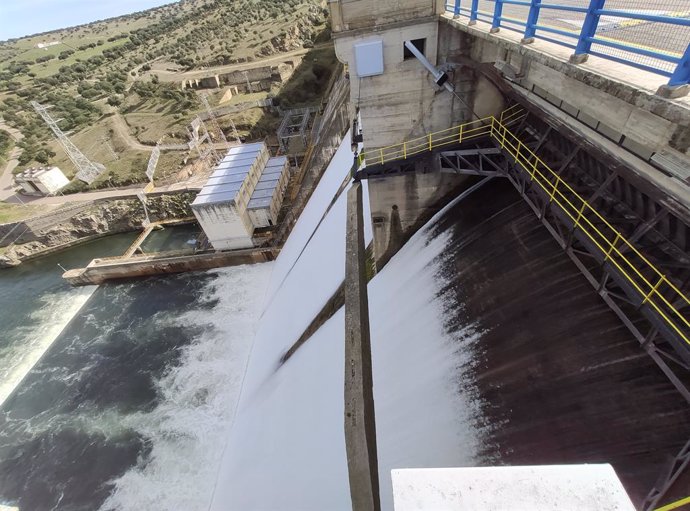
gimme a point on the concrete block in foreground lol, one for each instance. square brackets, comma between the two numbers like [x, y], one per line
[360, 426]
[533, 488]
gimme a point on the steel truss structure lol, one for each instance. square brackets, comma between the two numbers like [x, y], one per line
[215, 127]
[651, 222]
[295, 123]
[640, 212]
[87, 170]
[200, 139]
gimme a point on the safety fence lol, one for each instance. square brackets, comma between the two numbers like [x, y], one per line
[455, 135]
[675, 505]
[653, 288]
[653, 35]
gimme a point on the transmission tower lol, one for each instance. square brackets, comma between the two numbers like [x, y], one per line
[201, 141]
[212, 119]
[109, 146]
[87, 170]
[235, 135]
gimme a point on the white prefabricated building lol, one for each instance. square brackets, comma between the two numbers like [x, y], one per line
[244, 192]
[221, 206]
[264, 204]
[41, 181]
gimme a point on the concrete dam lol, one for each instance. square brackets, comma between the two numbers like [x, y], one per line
[491, 274]
[526, 220]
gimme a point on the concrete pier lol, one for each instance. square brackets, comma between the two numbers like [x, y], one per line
[360, 424]
[113, 268]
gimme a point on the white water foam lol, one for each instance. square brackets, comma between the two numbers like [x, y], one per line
[34, 339]
[188, 427]
[289, 425]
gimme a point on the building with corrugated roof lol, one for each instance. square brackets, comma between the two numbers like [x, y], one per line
[244, 192]
[264, 204]
[41, 181]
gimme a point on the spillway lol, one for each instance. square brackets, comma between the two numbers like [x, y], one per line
[488, 346]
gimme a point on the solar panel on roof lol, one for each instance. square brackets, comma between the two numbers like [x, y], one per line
[232, 171]
[239, 157]
[255, 147]
[269, 177]
[223, 187]
[214, 198]
[232, 178]
[235, 164]
[261, 194]
[266, 185]
[276, 160]
[259, 204]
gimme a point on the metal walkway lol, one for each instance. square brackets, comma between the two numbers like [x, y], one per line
[633, 247]
[624, 276]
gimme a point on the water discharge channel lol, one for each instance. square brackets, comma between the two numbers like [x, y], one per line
[169, 392]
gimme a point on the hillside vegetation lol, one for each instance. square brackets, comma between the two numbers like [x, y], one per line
[101, 79]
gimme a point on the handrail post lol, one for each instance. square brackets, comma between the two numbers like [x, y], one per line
[456, 9]
[532, 19]
[381, 150]
[677, 85]
[460, 134]
[498, 12]
[473, 12]
[405, 150]
[555, 186]
[589, 29]
[430, 144]
[613, 246]
[654, 290]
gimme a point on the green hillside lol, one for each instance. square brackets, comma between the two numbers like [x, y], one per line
[102, 79]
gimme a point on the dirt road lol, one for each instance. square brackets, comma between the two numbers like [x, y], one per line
[6, 182]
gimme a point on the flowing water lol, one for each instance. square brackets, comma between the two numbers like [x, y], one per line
[116, 396]
[170, 392]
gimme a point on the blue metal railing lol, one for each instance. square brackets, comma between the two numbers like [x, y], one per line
[674, 63]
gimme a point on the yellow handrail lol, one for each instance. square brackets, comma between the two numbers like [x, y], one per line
[642, 275]
[674, 505]
[606, 242]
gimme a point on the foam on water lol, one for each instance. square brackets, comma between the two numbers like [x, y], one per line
[289, 428]
[33, 340]
[198, 399]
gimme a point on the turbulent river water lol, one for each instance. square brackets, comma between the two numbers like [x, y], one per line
[171, 392]
[115, 397]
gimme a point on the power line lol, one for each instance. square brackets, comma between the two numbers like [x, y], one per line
[87, 170]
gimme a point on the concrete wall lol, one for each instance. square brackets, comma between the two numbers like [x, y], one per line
[365, 14]
[404, 103]
[100, 271]
[260, 77]
[399, 204]
[393, 105]
[223, 226]
[601, 95]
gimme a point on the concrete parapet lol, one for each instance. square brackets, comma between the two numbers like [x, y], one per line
[102, 270]
[360, 424]
[615, 99]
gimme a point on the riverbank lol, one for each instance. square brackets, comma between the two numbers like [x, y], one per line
[79, 223]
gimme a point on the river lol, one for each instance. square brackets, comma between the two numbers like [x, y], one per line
[113, 394]
[488, 347]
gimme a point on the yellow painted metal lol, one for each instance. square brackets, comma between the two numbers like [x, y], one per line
[675, 505]
[643, 276]
[633, 266]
